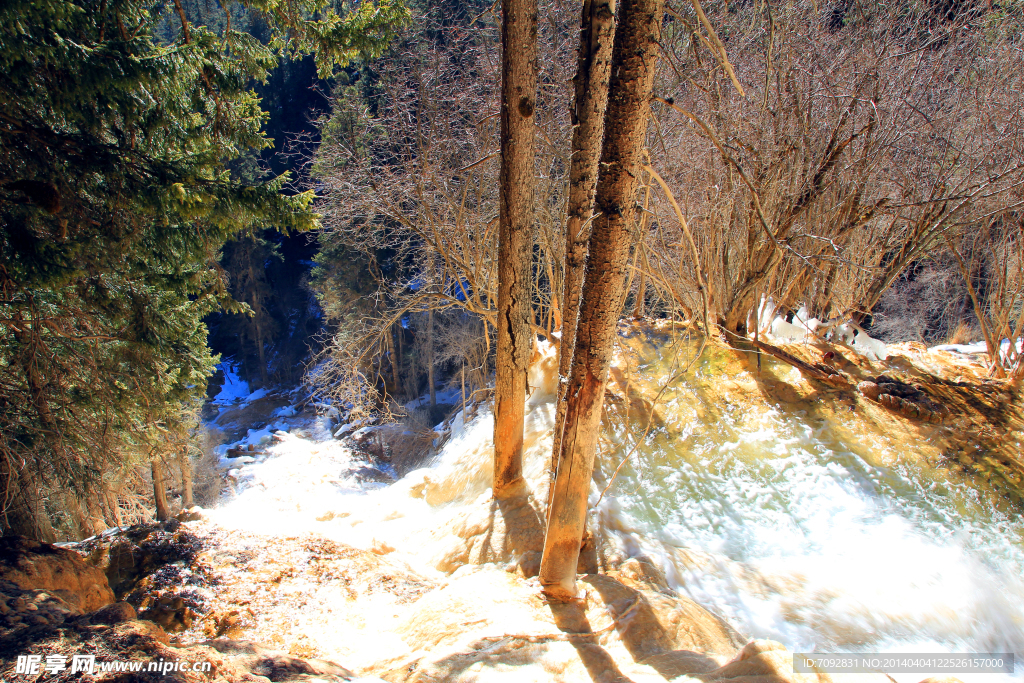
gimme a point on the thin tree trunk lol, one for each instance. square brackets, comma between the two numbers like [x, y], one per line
[992, 341]
[518, 102]
[186, 480]
[614, 231]
[430, 357]
[160, 490]
[593, 70]
[396, 379]
[114, 505]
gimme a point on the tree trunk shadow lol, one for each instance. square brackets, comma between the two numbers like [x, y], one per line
[571, 618]
[642, 633]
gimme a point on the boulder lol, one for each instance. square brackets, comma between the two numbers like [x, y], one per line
[23, 612]
[276, 665]
[139, 551]
[908, 400]
[114, 613]
[32, 565]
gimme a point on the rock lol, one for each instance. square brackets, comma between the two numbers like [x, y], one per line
[642, 570]
[365, 474]
[170, 612]
[221, 622]
[193, 514]
[113, 613]
[134, 640]
[132, 554]
[40, 566]
[653, 622]
[485, 619]
[276, 665]
[21, 610]
[381, 548]
[492, 531]
[528, 564]
[345, 429]
[907, 400]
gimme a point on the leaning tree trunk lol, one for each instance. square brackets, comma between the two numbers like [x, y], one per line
[612, 236]
[593, 70]
[518, 101]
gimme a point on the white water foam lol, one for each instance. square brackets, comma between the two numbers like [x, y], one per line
[794, 539]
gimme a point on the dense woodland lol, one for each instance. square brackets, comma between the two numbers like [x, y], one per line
[344, 194]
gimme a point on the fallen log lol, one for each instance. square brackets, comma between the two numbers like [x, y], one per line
[819, 371]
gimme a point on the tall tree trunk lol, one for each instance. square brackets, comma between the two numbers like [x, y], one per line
[186, 479]
[593, 70]
[518, 102]
[264, 377]
[258, 311]
[23, 511]
[22, 506]
[396, 379]
[614, 231]
[160, 490]
[430, 358]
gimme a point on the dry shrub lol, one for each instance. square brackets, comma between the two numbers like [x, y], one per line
[206, 479]
[926, 304]
[861, 145]
[964, 333]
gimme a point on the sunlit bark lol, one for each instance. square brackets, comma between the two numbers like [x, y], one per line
[613, 234]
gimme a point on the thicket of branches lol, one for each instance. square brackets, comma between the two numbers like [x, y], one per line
[872, 144]
[409, 168]
[868, 137]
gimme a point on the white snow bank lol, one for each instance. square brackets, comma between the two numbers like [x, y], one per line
[981, 347]
[285, 411]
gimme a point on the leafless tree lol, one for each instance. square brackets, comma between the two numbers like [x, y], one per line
[857, 148]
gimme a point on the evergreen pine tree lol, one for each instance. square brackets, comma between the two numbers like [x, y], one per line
[115, 197]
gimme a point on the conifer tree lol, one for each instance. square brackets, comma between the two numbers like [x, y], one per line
[114, 200]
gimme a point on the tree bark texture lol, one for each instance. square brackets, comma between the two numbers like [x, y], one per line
[430, 358]
[186, 480]
[518, 102]
[163, 512]
[613, 233]
[593, 71]
[396, 380]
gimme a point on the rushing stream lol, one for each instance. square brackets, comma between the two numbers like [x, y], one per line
[779, 516]
[795, 532]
